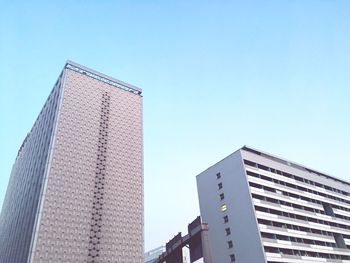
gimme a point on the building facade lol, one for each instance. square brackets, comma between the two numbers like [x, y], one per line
[261, 208]
[152, 255]
[76, 188]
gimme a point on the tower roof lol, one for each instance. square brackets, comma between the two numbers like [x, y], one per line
[102, 77]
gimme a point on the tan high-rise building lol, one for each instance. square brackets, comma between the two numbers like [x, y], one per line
[76, 188]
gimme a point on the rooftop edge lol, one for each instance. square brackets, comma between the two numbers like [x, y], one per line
[292, 164]
[102, 77]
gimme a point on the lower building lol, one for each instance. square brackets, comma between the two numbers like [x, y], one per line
[264, 209]
[152, 255]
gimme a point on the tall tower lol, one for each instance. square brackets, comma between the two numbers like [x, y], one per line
[76, 188]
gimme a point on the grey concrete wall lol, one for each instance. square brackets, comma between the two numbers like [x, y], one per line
[242, 221]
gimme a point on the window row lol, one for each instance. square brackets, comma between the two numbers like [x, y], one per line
[297, 178]
[302, 253]
[285, 203]
[327, 207]
[300, 217]
[301, 197]
[308, 241]
[297, 187]
[299, 228]
[223, 208]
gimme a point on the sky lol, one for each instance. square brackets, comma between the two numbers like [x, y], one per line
[216, 75]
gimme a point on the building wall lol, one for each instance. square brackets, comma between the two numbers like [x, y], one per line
[23, 192]
[242, 224]
[280, 164]
[76, 188]
[93, 202]
[277, 210]
[303, 214]
[152, 255]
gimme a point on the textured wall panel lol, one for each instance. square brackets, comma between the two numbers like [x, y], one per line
[19, 209]
[97, 153]
[23, 193]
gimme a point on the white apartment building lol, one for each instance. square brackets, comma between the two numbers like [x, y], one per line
[263, 209]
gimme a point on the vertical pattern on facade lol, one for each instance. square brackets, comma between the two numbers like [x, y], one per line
[99, 183]
[65, 225]
[20, 206]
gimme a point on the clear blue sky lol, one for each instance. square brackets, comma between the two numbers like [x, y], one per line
[273, 74]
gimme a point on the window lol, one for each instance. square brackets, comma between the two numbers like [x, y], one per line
[225, 219]
[233, 258]
[230, 244]
[218, 176]
[223, 207]
[228, 231]
[220, 185]
[222, 196]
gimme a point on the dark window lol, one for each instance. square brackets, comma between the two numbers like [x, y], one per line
[228, 231]
[220, 185]
[233, 258]
[222, 196]
[225, 219]
[230, 244]
[218, 176]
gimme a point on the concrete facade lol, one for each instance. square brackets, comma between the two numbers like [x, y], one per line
[261, 208]
[89, 194]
